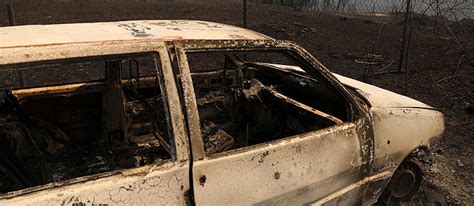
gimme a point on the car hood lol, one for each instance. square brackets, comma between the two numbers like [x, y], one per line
[376, 96]
[382, 98]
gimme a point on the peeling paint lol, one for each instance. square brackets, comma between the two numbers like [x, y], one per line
[160, 187]
[136, 29]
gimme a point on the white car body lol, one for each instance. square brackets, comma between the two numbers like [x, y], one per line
[350, 163]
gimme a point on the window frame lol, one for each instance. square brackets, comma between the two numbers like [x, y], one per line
[311, 65]
[50, 64]
[66, 52]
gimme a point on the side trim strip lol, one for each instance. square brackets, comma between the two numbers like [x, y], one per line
[353, 186]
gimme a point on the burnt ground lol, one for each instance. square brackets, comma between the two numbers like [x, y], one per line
[436, 75]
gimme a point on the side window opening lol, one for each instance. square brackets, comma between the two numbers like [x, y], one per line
[121, 121]
[248, 98]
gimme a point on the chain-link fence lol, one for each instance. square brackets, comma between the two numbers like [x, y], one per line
[453, 9]
[423, 21]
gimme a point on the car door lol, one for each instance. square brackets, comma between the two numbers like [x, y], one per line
[316, 167]
[164, 184]
[294, 171]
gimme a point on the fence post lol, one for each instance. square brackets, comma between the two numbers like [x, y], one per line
[10, 13]
[405, 24]
[245, 13]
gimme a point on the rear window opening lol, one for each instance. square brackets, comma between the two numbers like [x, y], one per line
[248, 98]
[116, 120]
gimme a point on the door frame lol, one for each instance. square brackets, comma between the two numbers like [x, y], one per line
[58, 52]
[360, 114]
[312, 66]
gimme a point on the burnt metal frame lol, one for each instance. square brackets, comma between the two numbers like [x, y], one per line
[360, 114]
[108, 49]
[313, 67]
[60, 52]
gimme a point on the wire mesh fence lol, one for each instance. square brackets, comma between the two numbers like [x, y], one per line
[423, 21]
[453, 9]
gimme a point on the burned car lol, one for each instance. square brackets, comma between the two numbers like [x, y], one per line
[164, 112]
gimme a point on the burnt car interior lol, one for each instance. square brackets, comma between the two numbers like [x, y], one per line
[69, 119]
[80, 117]
[248, 98]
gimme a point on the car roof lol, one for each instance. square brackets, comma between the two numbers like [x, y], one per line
[157, 30]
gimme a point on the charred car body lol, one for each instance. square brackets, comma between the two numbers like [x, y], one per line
[177, 112]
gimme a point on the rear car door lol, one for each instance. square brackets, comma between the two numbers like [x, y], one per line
[165, 183]
[325, 165]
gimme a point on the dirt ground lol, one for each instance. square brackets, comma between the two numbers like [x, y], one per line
[436, 74]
